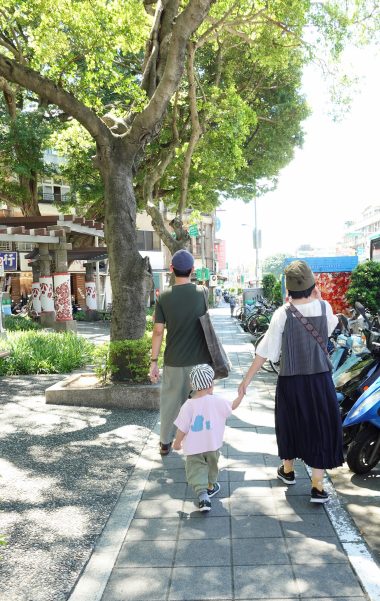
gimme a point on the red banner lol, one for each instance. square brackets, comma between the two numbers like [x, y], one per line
[333, 287]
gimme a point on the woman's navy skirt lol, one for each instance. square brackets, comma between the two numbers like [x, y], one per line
[308, 421]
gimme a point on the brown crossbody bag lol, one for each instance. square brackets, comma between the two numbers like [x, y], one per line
[309, 327]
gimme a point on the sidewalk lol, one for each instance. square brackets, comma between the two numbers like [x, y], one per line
[261, 539]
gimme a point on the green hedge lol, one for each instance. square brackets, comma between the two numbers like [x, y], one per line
[133, 357]
[44, 353]
[16, 323]
[365, 286]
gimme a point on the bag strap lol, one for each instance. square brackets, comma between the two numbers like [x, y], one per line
[309, 327]
[205, 294]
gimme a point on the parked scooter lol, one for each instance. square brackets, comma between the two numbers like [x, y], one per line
[359, 372]
[364, 451]
[342, 342]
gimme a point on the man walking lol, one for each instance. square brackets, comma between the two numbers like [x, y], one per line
[178, 308]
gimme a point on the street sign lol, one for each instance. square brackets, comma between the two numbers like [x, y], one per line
[217, 224]
[327, 264]
[202, 274]
[9, 260]
[193, 230]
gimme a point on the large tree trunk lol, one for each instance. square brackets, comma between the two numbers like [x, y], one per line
[29, 206]
[131, 276]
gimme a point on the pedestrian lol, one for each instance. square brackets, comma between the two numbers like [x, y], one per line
[232, 301]
[201, 423]
[307, 418]
[178, 308]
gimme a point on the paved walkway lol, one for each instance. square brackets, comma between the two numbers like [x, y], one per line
[261, 539]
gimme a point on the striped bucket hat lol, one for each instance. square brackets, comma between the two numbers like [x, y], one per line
[201, 376]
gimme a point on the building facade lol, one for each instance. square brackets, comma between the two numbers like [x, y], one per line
[360, 233]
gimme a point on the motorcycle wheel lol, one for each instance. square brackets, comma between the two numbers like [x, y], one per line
[360, 450]
[349, 434]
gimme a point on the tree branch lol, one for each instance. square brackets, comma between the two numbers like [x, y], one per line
[196, 130]
[9, 97]
[48, 90]
[146, 123]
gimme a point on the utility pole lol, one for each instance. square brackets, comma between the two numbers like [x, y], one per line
[256, 244]
[203, 244]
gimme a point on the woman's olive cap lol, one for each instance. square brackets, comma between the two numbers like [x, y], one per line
[298, 276]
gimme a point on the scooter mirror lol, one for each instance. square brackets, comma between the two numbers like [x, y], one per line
[359, 307]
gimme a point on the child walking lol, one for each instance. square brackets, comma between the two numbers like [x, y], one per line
[201, 423]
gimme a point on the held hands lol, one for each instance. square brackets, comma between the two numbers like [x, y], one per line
[242, 390]
[238, 400]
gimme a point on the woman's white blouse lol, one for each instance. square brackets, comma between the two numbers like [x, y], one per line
[270, 346]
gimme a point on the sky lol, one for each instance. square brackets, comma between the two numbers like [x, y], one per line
[332, 179]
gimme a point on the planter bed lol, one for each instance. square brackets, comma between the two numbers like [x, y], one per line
[84, 390]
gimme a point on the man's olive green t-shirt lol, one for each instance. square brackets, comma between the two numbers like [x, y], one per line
[179, 308]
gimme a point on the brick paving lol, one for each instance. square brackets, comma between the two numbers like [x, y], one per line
[261, 540]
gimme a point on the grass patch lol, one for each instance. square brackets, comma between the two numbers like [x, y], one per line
[44, 353]
[16, 323]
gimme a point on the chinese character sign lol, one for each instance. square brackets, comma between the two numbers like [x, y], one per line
[9, 260]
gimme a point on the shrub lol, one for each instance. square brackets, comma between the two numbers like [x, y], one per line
[44, 353]
[132, 357]
[269, 281]
[80, 316]
[149, 323]
[365, 286]
[277, 294]
[16, 323]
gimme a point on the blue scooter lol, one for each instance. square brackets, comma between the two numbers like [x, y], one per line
[364, 451]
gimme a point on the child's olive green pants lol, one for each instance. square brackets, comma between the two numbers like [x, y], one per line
[202, 470]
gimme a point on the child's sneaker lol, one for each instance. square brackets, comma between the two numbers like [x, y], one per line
[318, 496]
[204, 505]
[288, 478]
[214, 490]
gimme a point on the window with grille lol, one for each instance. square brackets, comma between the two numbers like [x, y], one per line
[148, 240]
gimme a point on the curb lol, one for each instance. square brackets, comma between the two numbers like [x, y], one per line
[360, 557]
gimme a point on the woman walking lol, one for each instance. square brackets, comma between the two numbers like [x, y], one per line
[307, 418]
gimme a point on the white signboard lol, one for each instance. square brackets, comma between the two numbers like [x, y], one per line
[1, 267]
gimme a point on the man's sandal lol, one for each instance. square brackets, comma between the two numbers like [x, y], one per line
[165, 448]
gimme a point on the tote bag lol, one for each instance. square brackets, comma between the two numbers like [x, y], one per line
[219, 360]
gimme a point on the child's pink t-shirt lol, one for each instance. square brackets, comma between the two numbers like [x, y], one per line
[203, 420]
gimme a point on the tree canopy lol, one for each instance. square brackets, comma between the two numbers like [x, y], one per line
[181, 100]
[274, 264]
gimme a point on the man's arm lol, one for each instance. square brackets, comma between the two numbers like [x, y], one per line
[158, 334]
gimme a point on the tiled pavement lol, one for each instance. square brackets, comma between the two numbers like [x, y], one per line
[262, 540]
